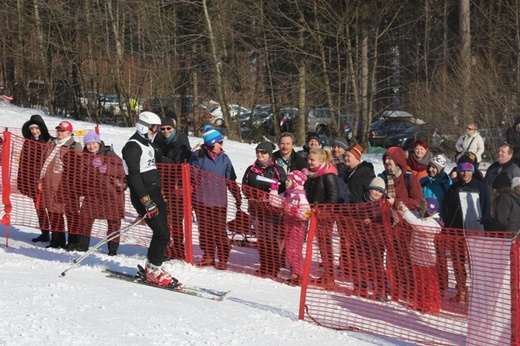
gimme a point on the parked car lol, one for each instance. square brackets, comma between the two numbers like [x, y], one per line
[263, 116]
[425, 132]
[319, 119]
[380, 130]
[216, 118]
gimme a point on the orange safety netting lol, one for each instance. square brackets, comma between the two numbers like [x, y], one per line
[361, 267]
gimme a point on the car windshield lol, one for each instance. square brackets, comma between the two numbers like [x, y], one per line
[410, 130]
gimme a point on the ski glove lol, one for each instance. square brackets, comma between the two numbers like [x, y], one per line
[151, 208]
[274, 186]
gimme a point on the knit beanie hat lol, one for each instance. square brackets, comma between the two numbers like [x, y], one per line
[377, 184]
[313, 135]
[465, 166]
[91, 137]
[501, 181]
[356, 150]
[167, 121]
[211, 136]
[298, 177]
[341, 142]
[267, 146]
[439, 161]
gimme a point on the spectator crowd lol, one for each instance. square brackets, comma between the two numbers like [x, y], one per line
[281, 187]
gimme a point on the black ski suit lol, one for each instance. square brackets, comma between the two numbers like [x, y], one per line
[144, 180]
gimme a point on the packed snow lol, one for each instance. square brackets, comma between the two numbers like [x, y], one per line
[86, 308]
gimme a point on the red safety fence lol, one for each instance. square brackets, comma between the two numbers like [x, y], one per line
[360, 266]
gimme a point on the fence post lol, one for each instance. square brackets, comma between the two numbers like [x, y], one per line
[188, 213]
[307, 265]
[6, 183]
[515, 292]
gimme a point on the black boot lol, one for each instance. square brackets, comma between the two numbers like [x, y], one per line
[57, 240]
[83, 243]
[112, 248]
[44, 237]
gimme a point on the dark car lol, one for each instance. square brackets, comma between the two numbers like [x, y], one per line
[263, 117]
[425, 132]
[319, 120]
[380, 130]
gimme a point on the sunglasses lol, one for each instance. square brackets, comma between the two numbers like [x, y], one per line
[168, 128]
[469, 128]
[263, 152]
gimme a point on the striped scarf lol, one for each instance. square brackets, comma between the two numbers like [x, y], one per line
[390, 187]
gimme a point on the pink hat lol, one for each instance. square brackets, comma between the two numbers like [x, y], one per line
[298, 177]
[64, 126]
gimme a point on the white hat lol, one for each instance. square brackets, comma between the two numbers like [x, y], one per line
[439, 161]
[377, 184]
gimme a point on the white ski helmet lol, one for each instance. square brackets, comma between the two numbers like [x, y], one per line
[146, 121]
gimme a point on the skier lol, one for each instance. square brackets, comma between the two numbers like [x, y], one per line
[145, 193]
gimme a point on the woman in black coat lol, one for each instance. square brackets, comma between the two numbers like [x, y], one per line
[36, 135]
[322, 188]
[267, 221]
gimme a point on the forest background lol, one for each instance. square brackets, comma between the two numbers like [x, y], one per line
[445, 61]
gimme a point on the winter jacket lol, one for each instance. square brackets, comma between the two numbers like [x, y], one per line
[507, 213]
[436, 187]
[495, 169]
[211, 189]
[358, 180]
[419, 167]
[422, 244]
[60, 169]
[272, 171]
[323, 187]
[177, 150]
[409, 195]
[296, 162]
[103, 184]
[451, 208]
[32, 157]
[474, 143]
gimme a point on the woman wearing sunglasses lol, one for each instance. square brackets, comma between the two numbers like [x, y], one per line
[267, 221]
[472, 141]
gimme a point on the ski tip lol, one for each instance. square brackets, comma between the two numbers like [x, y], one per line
[63, 274]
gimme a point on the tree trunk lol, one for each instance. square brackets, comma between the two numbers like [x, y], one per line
[465, 57]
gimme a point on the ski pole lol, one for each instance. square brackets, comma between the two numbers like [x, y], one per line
[102, 242]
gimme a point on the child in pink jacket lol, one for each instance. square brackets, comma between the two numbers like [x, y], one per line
[297, 210]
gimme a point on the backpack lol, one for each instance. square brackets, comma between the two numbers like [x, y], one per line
[344, 191]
